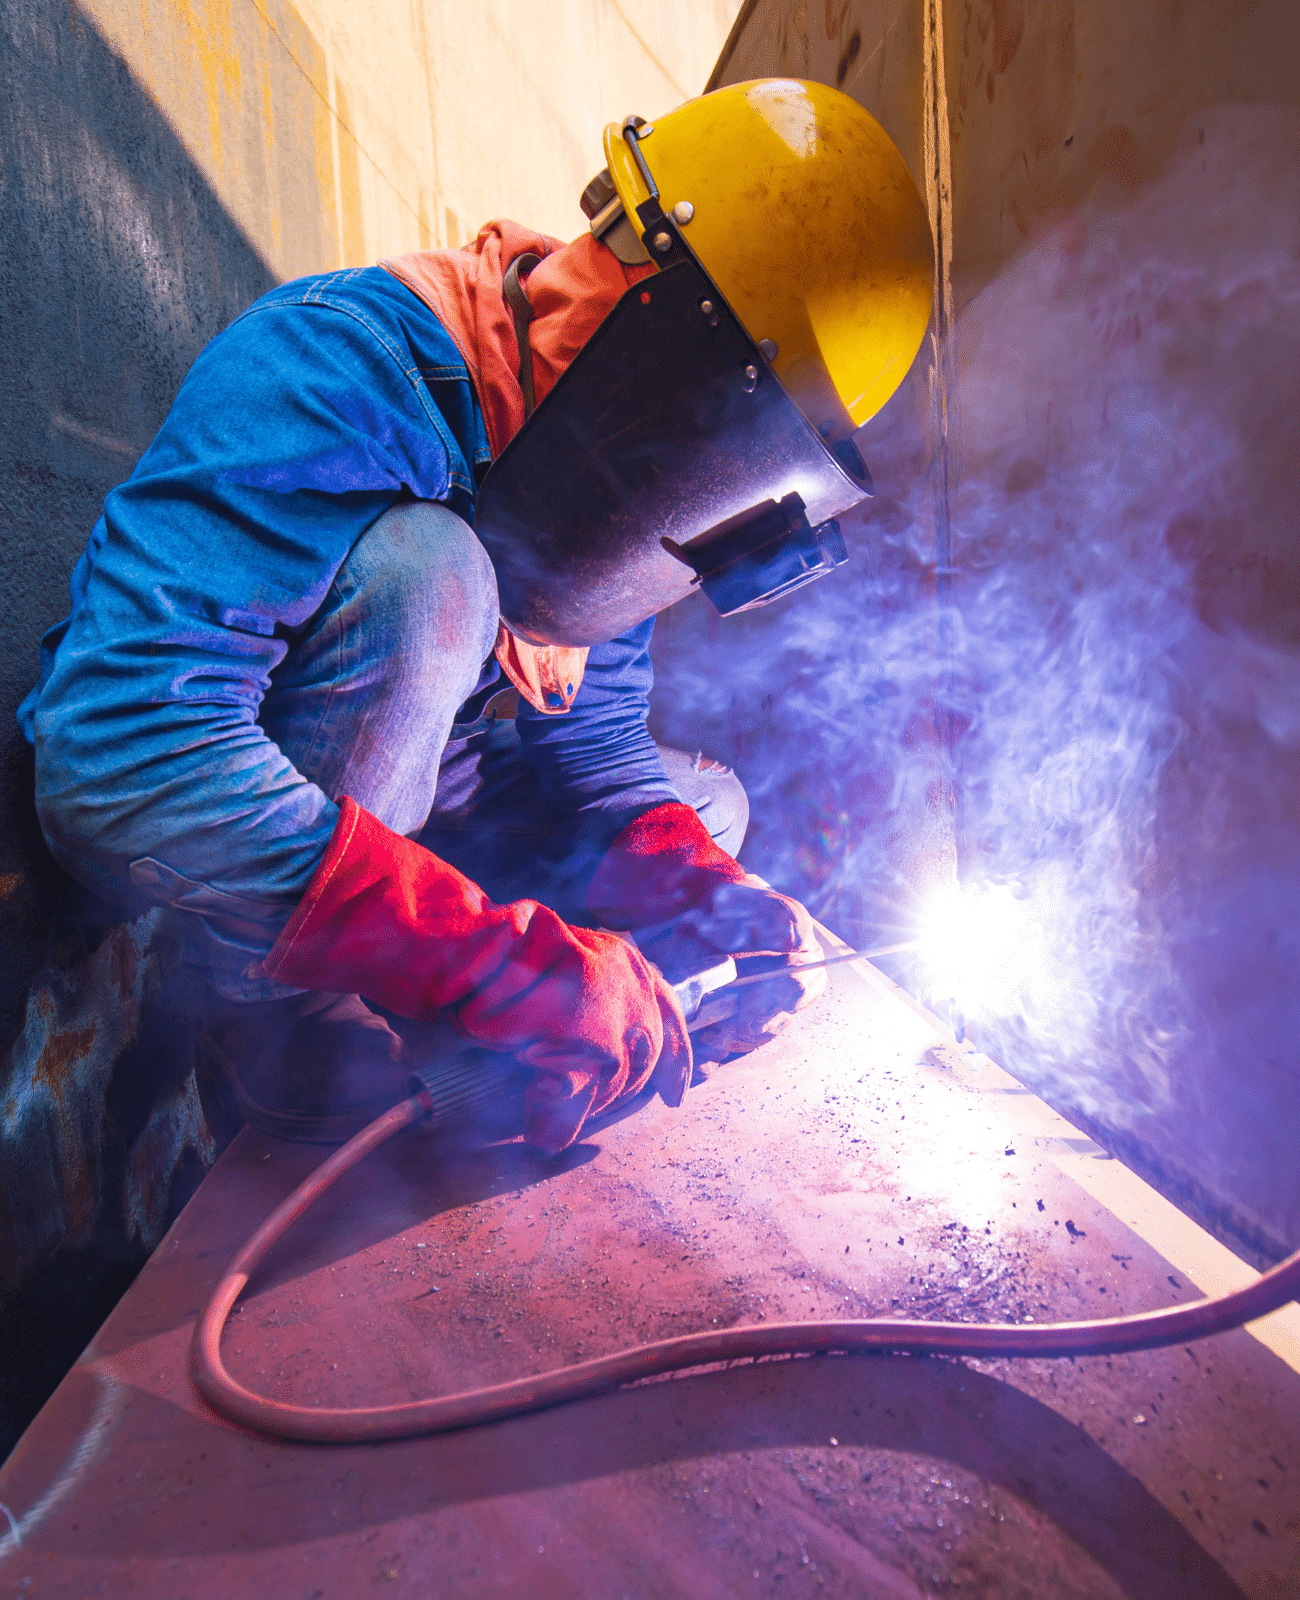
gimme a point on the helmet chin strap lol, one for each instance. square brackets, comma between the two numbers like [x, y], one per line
[521, 309]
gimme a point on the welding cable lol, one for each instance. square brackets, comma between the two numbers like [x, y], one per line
[1148, 1330]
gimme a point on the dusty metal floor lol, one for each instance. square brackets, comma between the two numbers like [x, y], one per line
[859, 1164]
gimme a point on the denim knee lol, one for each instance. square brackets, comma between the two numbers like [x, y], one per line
[427, 583]
[716, 793]
[364, 700]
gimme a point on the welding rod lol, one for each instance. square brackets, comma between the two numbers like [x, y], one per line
[811, 966]
[453, 1087]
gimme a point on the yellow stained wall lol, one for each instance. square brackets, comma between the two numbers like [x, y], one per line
[335, 133]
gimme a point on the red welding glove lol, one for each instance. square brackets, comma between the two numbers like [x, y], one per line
[664, 875]
[388, 920]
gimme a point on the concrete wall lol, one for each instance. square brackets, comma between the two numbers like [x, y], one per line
[334, 133]
[162, 163]
[1095, 465]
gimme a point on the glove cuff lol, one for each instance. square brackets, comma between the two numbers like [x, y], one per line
[661, 865]
[363, 924]
[290, 957]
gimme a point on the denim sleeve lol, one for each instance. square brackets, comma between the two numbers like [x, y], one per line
[599, 760]
[296, 428]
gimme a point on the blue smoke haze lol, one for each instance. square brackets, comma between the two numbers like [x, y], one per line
[1117, 655]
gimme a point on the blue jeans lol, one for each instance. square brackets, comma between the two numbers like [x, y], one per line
[364, 703]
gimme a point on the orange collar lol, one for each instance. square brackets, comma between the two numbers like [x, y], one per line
[572, 290]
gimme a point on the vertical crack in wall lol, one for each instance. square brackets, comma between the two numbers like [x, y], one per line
[943, 450]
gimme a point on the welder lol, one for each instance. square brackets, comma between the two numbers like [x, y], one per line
[383, 500]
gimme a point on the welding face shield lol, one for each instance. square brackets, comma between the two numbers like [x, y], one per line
[702, 437]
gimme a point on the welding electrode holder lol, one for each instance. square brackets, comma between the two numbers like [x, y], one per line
[456, 1083]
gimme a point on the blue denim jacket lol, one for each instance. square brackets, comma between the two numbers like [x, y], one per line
[297, 427]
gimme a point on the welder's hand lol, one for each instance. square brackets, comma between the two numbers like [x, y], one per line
[692, 903]
[387, 919]
[765, 932]
[598, 1026]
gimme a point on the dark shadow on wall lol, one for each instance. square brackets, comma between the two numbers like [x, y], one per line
[119, 263]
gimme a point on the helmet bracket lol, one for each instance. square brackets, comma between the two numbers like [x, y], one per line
[632, 134]
[663, 242]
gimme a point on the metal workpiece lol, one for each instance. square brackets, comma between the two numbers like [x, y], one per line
[848, 1169]
[581, 1380]
[455, 1087]
[1074, 495]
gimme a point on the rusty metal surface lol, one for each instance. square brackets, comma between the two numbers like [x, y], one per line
[102, 1139]
[842, 1169]
[63, 1154]
[121, 263]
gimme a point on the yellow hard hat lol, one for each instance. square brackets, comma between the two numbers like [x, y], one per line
[701, 437]
[800, 208]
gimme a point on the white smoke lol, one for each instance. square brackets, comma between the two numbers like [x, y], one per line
[1115, 643]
